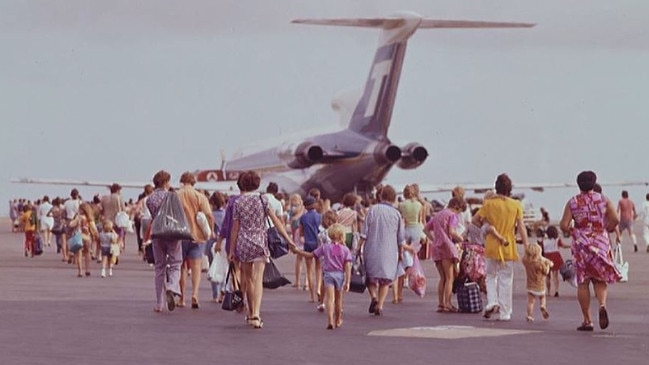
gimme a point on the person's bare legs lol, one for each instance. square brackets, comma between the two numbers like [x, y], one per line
[310, 268]
[339, 307]
[440, 285]
[298, 270]
[445, 286]
[330, 301]
[601, 292]
[182, 282]
[530, 307]
[319, 282]
[383, 293]
[86, 257]
[583, 297]
[195, 266]
[254, 273]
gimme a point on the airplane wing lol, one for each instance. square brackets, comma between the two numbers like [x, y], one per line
[227, 187]
[539, 187]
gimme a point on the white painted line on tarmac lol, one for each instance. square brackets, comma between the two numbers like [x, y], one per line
[449, 332]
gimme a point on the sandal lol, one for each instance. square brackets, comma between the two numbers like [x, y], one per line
[603, 317]
[441, 309]
[256, 322]
[529, 319]
[585, 327]
[373, 304]
[171, 301]
[545, 313]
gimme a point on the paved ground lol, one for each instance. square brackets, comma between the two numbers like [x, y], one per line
[49, 316]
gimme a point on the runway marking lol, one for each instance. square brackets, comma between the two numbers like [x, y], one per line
[448, 332]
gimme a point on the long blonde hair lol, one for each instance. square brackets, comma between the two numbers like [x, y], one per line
[532, 252]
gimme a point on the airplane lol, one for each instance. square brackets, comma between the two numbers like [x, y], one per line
[358, 157]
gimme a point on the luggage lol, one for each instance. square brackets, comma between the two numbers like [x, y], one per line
[38, 245]
[469, 299]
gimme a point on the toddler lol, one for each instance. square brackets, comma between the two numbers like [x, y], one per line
[328, 218]
[537, 268]
[109, 247]
[336, 271]
[551, 246]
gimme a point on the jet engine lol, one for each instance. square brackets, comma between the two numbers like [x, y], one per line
[412, 156]
[303, 156]
[387, 153]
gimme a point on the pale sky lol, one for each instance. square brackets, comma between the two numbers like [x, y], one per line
[116, 90]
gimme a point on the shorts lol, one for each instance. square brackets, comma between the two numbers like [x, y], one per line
[105, 251]
[192, 250]
[536, 293]
[625, 224]
[47, 223]
[310, 247]
[414, 234]
[334, 278]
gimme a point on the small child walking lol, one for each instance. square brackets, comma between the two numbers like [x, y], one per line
[328, 218]
[537, 268]
[336, 271]
[551, 247]
[109, 247]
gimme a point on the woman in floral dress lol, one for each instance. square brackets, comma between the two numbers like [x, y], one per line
[593, 216]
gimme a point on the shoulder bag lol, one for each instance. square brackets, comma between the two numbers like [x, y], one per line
[170, 223]
[277, 245]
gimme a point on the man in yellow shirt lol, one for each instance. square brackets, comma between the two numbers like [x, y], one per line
[505, 215]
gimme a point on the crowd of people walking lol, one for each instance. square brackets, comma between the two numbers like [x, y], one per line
[387, 235]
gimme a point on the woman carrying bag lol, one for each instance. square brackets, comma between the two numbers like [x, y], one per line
[249, 241]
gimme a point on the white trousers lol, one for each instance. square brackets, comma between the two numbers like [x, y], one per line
[645, 234]
[499, 280]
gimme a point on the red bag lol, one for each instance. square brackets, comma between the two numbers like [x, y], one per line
[417, 278]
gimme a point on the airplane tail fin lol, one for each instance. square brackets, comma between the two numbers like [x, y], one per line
[373, 112]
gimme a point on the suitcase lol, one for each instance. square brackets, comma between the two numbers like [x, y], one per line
[469, 299]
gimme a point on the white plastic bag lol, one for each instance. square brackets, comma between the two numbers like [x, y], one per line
[621, 265]
[219, 268]
[203, 223]
[122, 220]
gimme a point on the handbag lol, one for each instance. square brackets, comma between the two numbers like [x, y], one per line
[357, 282]
[170, 223]
[75, 242]
[273, 279]
[277, 245]
[233, 298]
[621, 265]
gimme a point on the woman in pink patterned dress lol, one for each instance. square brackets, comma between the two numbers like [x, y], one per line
[442, 231]
[593, 217]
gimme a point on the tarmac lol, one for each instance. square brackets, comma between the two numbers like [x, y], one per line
[49, 316]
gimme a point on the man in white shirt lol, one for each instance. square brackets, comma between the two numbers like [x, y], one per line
[275, 205]
[645, 222]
